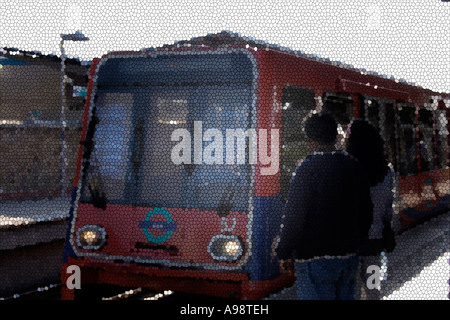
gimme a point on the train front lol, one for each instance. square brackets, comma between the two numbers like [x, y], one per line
[164, 199]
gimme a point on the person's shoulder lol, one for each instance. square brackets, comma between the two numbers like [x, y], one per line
[308, 160]
[303, 163]
[353, 164]
[346, 157]
[307, 165]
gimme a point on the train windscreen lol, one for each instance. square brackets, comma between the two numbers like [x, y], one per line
[141, 107]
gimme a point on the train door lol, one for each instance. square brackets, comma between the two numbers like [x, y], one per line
[442, 187]
[206, 112]
[397, 125]
[442, 143]
[426, 140]
[408, 165]
[380, 113]
[162, 111]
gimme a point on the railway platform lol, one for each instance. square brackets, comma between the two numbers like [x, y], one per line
[32, 234]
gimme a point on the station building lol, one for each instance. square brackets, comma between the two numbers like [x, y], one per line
[30, 122]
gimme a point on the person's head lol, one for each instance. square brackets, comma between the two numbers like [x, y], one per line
[321, 130]
[366, 145]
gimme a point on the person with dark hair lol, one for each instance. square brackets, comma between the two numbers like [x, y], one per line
[327, 215]
[366, 144]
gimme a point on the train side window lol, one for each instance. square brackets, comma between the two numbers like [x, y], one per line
[297, 103]
[407, 135]
[340, 106]
[441, 135]
[426, 140]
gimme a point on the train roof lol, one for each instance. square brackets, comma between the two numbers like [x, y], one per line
[227, 38]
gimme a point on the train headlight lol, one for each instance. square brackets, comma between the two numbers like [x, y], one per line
[226, 248]
[91, 237]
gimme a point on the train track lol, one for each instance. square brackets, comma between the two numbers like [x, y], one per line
[49, 291]
[140, 294]
[52, 292]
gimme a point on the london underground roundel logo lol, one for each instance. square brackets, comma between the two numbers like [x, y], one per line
[168, 226]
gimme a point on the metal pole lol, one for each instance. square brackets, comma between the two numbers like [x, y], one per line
[63, 121]
[77, 36]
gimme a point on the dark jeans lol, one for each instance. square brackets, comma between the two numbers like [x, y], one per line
[327, 279]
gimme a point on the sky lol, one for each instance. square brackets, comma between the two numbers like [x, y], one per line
[407, 39]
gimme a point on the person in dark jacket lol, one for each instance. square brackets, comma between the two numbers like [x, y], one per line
[327, 215]
[366, 144]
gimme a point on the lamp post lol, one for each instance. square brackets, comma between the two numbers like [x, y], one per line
[77, 36]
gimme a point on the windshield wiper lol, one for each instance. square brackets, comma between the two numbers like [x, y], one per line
[97, 199]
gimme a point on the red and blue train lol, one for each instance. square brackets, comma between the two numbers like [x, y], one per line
[206, 224]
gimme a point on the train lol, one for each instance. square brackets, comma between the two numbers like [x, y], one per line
[187, 151]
